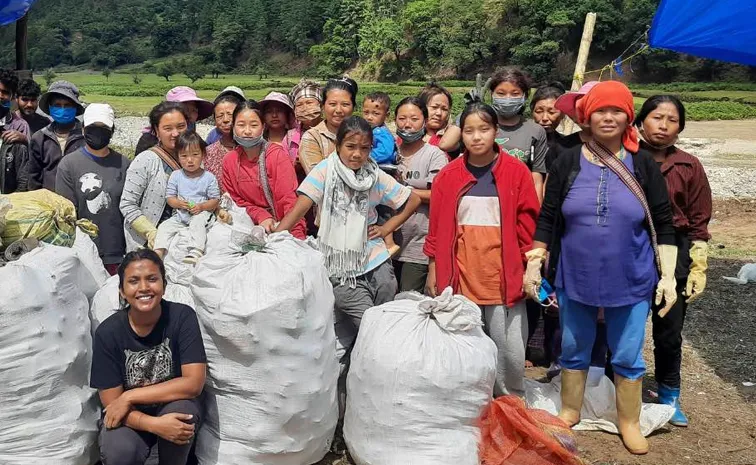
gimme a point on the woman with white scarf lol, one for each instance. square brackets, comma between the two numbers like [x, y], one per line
[348, 186]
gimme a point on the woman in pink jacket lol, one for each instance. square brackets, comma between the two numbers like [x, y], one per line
[259, 176]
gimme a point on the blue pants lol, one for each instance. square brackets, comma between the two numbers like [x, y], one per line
[625, 332]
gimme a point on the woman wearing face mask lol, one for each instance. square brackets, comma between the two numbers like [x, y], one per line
[482, 216]
[143, 202]
[339, 99]
[607, 223]
[92, 178]
[196, 109]
[63, 136]
[305, 97]
[520, 137]
[660, 121]
[216, 152]
[259, 175]
[419, 163]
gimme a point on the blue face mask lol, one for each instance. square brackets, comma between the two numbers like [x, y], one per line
[191, 127]
[4, 108]
[63, 115]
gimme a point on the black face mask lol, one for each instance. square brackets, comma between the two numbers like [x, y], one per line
[97, 137]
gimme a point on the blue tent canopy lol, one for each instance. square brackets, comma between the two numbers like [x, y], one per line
[719, 29]
[12, 10]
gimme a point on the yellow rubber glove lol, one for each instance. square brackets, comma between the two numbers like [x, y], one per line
[666, 290]
[146, 229]
[697, 278]
[531, 283]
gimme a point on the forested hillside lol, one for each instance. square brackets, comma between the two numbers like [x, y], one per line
[376, 39]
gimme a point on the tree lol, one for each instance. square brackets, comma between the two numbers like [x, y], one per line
[195, 73]
[106, 72]
[136, 78]
[216, 69]
[49, 76]
[165, 70]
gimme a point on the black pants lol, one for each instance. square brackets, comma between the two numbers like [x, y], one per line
[667, 331]
[125, 446]
[668, 339]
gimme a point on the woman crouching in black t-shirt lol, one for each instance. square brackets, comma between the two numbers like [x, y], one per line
[149, 367]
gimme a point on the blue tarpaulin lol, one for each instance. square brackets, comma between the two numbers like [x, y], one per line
[12, 10]
[719, 29]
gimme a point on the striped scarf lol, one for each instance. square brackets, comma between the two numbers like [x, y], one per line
[619, 168]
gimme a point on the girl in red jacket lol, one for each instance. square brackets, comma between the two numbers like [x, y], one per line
[482, 219]
[259, 176]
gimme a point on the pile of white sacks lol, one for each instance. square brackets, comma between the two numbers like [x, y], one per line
[421, 371]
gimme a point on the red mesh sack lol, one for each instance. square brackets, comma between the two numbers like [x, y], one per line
[512, 434]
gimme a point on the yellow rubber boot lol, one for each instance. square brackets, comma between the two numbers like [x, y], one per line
[573, 389]
[628, 413]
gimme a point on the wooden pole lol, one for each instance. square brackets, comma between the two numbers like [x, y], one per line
[21, 41]
[582, 60]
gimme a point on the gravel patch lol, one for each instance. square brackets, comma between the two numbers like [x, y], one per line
[130, 128]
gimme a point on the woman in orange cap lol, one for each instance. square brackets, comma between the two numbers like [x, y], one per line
[607, 222]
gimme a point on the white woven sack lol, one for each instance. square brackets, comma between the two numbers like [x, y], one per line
[90, 257]
[48, 413]
[267, 323]
[421, 373]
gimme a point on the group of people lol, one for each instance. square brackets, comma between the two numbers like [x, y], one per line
[592, 230]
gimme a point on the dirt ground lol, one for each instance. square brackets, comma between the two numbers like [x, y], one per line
[719, 353]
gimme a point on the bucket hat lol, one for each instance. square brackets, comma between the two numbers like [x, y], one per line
[61, 88]
[232, 90]
[566, 103]
[183, 94]
[282, 99]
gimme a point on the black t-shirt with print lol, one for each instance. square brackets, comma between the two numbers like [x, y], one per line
[123, 358]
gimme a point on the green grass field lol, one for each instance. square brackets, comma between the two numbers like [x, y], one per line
[130, 99]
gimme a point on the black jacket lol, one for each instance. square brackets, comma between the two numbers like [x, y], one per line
[562, 175]
[45, 154]
[14, 166]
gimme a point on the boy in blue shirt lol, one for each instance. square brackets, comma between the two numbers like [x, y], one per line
[375, 109]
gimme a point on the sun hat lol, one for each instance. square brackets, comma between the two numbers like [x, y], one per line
[566, 102]
[61, 88]
[306, 89]
[183, 94]
[232, 90]
[283, 99]
[99, 113]
[276, 97]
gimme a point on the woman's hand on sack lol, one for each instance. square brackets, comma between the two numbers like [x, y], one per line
[174, 427]
[116, 411]
[268, 225]
[375, 231]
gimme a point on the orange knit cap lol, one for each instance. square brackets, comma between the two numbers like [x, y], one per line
[610, 94]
